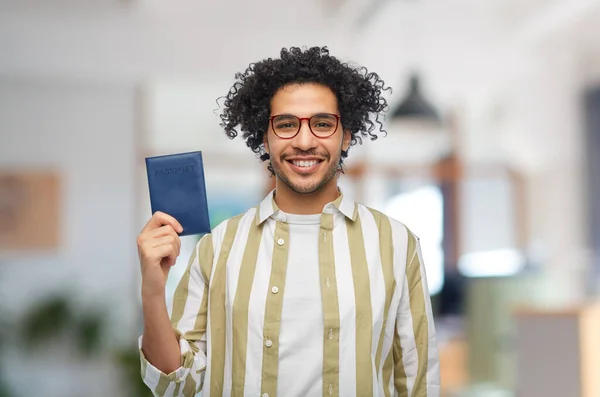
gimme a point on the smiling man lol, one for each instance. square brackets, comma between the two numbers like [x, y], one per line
[309, 293]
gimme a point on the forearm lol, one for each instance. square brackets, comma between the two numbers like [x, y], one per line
[159, 343]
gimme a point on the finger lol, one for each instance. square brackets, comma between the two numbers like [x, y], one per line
[149, 238]
[160, 219]
[166, 251]
[165, 240]
[169, 261]
[152, 256]
[166, 230]
[148, 235]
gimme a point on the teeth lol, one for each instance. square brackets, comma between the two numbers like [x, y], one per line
[305, 163]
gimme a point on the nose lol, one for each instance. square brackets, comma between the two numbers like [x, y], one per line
[305, 139]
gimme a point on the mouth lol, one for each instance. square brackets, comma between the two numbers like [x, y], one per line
[304, 166]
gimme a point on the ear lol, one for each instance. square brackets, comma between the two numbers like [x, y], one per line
[266, 142]
[346, 140]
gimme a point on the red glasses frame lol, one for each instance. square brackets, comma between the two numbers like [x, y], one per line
[337, 123]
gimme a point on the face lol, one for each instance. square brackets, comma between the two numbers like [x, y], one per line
[306, 164]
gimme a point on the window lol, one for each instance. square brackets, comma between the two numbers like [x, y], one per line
[421, 210]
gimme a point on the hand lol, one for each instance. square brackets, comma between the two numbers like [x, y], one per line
[158, 249]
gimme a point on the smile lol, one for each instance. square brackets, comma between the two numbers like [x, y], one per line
[305, 163]
[305, 166]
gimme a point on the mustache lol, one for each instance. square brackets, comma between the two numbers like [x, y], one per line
[304, 153]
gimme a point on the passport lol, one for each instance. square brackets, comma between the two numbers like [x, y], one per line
[178, 188]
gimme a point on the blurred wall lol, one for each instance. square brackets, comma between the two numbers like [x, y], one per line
[84, 131]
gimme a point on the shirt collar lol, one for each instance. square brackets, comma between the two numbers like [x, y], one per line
[342, 204]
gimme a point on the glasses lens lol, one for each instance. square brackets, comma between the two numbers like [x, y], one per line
[323, 124]
[286, 126]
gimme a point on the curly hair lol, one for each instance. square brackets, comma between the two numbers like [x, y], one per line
[359, 95]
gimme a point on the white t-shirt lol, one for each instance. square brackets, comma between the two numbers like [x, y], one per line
[301, 335]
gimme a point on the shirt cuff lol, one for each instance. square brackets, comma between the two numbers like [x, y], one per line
[153, 375]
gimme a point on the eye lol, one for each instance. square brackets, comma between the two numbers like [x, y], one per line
[286, 125]
[323, 122]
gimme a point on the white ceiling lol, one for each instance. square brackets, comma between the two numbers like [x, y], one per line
[455, 43]
[464, 49]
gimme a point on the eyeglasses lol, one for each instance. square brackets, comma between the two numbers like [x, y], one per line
[287, 126]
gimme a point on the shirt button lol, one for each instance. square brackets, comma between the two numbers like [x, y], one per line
[280, 241]
[268, 343]
[274, 290]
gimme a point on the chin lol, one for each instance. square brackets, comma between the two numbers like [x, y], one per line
[307, 185]
[303, 183]
[304, 187]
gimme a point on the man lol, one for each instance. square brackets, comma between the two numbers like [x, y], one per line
[309, 293]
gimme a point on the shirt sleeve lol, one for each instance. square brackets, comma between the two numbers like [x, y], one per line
[415, 350]
[189, 320]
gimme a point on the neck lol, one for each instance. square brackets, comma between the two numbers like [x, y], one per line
[305, 204]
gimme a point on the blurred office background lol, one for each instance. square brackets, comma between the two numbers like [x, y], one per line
[498, 174]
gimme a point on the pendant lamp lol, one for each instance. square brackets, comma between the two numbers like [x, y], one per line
[415, 106]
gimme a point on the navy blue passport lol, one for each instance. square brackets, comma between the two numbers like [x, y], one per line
[177, 187]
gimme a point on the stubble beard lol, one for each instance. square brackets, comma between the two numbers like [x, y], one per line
[306, 187]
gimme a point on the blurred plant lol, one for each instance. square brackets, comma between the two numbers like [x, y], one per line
[55, 318]
[88, 333]
[6, 329]
[46, 321]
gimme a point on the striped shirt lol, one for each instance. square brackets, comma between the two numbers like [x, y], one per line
[357, 322]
